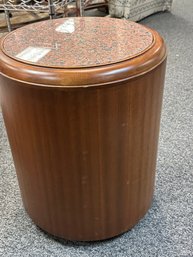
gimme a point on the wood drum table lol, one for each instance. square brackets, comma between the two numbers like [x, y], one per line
[81, 100]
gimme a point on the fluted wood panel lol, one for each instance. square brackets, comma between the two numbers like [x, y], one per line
[85, 157]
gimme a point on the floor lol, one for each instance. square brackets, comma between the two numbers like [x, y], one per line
[167, 229]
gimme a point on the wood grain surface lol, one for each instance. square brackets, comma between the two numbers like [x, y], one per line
[85, 157]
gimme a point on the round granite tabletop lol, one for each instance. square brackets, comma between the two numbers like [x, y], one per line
[77, 42]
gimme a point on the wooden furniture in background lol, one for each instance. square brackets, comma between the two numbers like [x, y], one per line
[82, 113]
[54, 8]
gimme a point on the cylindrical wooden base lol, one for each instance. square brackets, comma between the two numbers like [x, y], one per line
[85, 157]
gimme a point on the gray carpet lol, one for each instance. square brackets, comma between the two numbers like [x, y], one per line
[167, 229]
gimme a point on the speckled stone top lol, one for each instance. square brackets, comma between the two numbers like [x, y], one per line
[78, 42]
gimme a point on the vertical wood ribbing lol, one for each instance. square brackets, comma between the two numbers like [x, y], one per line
[85, 158]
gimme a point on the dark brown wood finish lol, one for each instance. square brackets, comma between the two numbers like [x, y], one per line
[85, 156]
